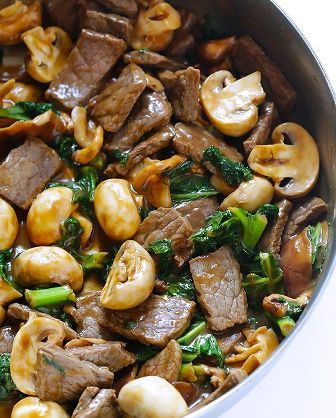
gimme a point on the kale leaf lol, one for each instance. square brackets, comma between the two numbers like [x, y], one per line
[121, 156]
[180, 284]
[72, 231]
[203, 346]
[270, 211]
[58, 313]
[65, 146]
[232, 172]
[316, 237]
[7, 386]
[163, 250]
[27, 110]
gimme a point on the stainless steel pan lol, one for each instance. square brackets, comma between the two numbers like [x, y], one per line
[283, 42]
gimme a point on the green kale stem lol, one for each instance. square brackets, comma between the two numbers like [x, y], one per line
[285, 324]
[195, 330]
[50, 297]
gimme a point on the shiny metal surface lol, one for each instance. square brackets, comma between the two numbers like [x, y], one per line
[315, 110]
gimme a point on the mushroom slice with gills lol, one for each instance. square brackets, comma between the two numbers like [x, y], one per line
[131, 278]
[18, 18]
[30, 337]
[48, 51]
[298, 162]
[33, 407]
[155, 26]
[88, 136]
[250, 195]
[230, 104]
[260, 344]
[47, 265]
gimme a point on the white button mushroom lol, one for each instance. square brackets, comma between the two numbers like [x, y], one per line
[298, 162]
[47, 265]
[131, 278]
[26, 344]
[32, 407]
[232, 108]
[250, 195]
[9, 225]
[116, 210]
[48, 210]
[151, 397]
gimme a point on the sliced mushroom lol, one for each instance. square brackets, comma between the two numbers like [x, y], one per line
[232, 108]
[250, 195]
[298, 162]
[214, 51]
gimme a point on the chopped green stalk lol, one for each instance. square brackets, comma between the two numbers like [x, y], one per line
[93, 261]
[163, 250]
[253, 226]
[194, 331]
[285, 324]
[316, 237]
[232, 172]
[27, 110]
[50, 297]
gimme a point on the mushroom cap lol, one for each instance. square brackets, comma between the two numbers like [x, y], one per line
[299, 162]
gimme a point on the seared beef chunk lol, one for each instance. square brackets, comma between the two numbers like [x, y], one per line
[183, 92]
[167, 223]
[272, 237]
[166, 364]
[115, 25]
[249, 57]
[156, 142]
[158, 320]
[234, 378]
[110, 354]
[217, 280]
[7, 335]
[229, 339]
[127, 8]
[151, 111]
[262, 131]
[87, 66]
[61, 377]
[26, 171]
[87, 314]
[113, 105]
[192, 141]
[22, 312]
[153, 60]
[96, 403]
[308, 210]
[63, 14]
[197, 211]
[184, 37]
[189, 391]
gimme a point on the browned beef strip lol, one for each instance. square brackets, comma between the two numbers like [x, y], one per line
[113, 105]
[161, 139]
[167, 223]
[197, 211]
[22, 312]
[158, 320]
[87, 66]
[26, 171]
[61, 377]
[217, 281]
[151, 111]
[272, 237]
[86, 315]
[184, 37]
[63, 14]
[234, 378]
[308, 210]
[96, 403]
[183, 92]
[110, 354]
[115, 25]
[192, 141]
[166, 364]
[189, 391]
[127, 8]
[262, 131]
[229, 339]
[7, 334]
[153, 60]
[249, 57]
